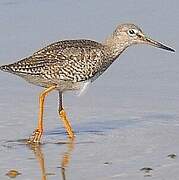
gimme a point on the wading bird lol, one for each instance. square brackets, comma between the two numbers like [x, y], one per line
[72, 64]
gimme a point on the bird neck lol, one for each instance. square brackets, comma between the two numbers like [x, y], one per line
[116, 45]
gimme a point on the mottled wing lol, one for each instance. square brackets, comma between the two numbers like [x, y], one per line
[73, 60]
[78, 61]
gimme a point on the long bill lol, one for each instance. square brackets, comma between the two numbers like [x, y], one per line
[157, 44]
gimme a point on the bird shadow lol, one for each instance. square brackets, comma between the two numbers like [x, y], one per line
[97, 127]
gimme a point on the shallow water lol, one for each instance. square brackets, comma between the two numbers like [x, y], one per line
[127, 120]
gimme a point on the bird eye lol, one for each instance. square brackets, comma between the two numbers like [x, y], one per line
[131, 32]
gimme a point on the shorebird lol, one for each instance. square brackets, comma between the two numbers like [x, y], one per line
[72, 64]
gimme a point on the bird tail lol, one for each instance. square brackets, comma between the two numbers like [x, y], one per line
[5, 68]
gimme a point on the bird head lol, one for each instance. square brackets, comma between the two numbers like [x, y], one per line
[131, 34]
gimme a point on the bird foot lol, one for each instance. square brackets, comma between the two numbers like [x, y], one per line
[34, 139]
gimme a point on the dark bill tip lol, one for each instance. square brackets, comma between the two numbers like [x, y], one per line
[157, 44]
[165, 47]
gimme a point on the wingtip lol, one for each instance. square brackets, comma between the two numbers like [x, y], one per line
[5, 68]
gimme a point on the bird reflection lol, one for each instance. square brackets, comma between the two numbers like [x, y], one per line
[66, 158]
[39, 155]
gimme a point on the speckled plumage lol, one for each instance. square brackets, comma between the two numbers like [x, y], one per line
[64, 62]
[70, 63]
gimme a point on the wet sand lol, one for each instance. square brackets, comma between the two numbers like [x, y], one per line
[138, 148]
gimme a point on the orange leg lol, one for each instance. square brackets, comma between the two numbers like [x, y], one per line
[65, 119]
[36, 136]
